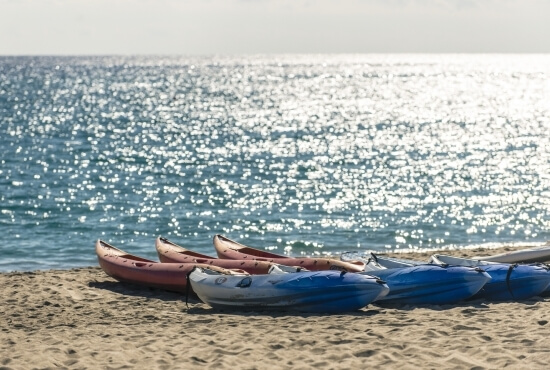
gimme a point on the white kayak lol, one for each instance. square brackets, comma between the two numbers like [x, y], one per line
[309, 291]
[529, 255]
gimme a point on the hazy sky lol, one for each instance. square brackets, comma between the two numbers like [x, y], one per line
[192, 27]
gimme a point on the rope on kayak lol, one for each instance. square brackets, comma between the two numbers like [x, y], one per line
[188, 286]
[374, 257]
[510, 269]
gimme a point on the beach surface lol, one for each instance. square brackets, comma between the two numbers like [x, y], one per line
[84, 319]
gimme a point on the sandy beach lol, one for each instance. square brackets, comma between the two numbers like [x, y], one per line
[83, 319]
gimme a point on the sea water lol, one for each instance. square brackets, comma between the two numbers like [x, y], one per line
[299, 154]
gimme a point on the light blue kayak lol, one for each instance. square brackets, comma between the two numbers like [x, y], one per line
[509, 281]
[423, 283]
[309, 291]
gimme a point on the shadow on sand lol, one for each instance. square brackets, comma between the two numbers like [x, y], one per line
[135, 290]
[196, 307]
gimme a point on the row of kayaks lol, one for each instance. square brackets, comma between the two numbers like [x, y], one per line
[245, 277]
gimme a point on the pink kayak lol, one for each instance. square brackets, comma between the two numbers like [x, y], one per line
[128, 268]
[229, 249]
[173, 253]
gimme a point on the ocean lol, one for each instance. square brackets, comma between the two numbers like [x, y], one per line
[298, 154]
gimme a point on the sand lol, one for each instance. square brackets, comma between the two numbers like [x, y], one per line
[81, 318]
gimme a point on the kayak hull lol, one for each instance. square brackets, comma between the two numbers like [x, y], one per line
[431, 284]
[322, 291]
[508, 281]
[514, 282]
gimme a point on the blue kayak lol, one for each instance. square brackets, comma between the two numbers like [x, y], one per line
[424, 283]
[509, 281]
[308, 291]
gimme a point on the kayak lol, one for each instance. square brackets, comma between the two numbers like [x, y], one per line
[508, 281]
[423, 283]
[170, 252]
[529, 255]
[128, 268]
[309, 291]
[229, 249]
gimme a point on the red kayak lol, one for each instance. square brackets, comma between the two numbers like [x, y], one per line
[173, 253]
[229, 249]
[133, 269]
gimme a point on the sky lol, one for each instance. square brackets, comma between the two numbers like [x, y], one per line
[228, 27]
